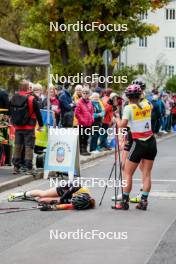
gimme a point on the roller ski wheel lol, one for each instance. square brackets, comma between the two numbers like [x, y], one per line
[142, 205]
[11, 198]
[136, 199]
[122, 205]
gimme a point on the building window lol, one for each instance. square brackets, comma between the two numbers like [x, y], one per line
[143, 15]
[170, 42]
[170, 70]
[143, 42]
[170, 14]
[142, 68]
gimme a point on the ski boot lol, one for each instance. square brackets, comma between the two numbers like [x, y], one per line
[142, 205]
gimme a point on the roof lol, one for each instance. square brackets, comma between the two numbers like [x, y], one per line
[13, 54]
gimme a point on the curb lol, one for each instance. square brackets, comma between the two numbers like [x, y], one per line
[96, 156]
[163, 138]
[16, 182]
[28, 178]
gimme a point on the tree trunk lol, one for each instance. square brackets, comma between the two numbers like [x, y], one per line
[64, 53]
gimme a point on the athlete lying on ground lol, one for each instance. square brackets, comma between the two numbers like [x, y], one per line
[79, 196]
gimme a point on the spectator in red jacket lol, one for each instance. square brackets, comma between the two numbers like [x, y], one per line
[25, 130]
[106, 96]
[173, 111]
[84, 115]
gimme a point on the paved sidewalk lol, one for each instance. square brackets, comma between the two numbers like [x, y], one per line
[6, 174]
[8, 180]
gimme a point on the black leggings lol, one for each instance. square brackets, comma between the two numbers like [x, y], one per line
[83, 137]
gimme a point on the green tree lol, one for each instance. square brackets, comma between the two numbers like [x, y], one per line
[171, 84]
[128, 71]
[12, 22]
[156, 74]
[73, 51]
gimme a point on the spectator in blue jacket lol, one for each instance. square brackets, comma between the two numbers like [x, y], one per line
[67, 107]
[98, 118]
[156, 114]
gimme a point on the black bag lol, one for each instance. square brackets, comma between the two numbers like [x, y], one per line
[19, 110]
[67, 119]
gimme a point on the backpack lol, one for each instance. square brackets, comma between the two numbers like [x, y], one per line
[19, 110]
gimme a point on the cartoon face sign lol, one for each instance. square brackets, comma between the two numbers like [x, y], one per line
[60, 155]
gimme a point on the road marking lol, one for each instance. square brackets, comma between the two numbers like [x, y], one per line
[91, 164]
[169, 195]
[106, 178]
[157, 180]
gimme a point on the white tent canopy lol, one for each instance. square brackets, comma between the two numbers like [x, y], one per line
[16, 55]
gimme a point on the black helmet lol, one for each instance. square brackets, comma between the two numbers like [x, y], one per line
[140, 83]
[66, 85]
[81, 201]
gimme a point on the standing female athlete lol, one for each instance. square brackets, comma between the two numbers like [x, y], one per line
[137, 114]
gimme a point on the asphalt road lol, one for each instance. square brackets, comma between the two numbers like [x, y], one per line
[25, 237]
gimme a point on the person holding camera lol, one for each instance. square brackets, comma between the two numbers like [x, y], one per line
[110, 105]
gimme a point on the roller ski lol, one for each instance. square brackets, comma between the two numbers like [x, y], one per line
[20, 196]
[136, 199]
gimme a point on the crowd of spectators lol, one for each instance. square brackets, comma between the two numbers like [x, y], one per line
[84, 107]
[164, 112]
[92, 108]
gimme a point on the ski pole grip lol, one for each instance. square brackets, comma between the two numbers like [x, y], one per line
[64, 206]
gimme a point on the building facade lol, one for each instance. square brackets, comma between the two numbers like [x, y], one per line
[144, 52]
